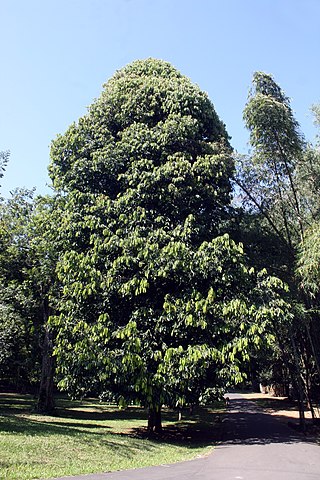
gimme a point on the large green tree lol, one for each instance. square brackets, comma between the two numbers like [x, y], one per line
[277, 182]
[158, 303]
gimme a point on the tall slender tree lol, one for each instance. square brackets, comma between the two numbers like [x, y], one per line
[267, 176]
[273, 181]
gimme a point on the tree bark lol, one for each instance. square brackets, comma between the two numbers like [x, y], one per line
[46, 398]
[154, 419]
[293, 188]
[295, 373]
[315, 354]
[299, 384]
[265, 214]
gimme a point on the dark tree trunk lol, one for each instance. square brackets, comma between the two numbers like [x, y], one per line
[154, 419]
[46, 398]
[295, 373]
[299, 386]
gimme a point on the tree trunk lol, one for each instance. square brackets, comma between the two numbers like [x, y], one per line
[45, 398]
[295, 373]
[314, 352]
[154, 419]
[299, 384]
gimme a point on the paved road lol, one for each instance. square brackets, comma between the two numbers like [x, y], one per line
[255, 446]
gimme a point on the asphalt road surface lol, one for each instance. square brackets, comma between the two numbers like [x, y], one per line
[255, 446]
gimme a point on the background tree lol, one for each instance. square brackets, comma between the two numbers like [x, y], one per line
[308, 252]
[28, 285]
[20, 351]
[45, 248]
[273, 181]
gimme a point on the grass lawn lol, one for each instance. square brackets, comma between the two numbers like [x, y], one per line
[87, 437]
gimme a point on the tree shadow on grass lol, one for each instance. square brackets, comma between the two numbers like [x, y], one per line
[33, 427]
[90, 409]
[84, 437]
[15, 403]
[89, 418]
[124, 445]
[112, 413]
[180, 435]
[193, 432]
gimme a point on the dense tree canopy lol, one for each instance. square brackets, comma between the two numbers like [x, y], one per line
[158, 302]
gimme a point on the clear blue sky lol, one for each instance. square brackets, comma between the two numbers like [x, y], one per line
[56, 54]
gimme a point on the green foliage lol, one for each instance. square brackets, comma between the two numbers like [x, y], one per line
[168, 332]
[4, 157]
[147, 112]
[267, 177]
[308, 176]
[316, 112]
[309, 261]
[308, 254]
[28, 255]
[273, 129]
[18, 310]
[13, 351]
[15, 214]
[158, 303]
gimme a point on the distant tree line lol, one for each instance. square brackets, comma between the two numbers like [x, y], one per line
[165, 267]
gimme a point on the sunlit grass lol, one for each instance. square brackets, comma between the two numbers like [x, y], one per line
[86, 437]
